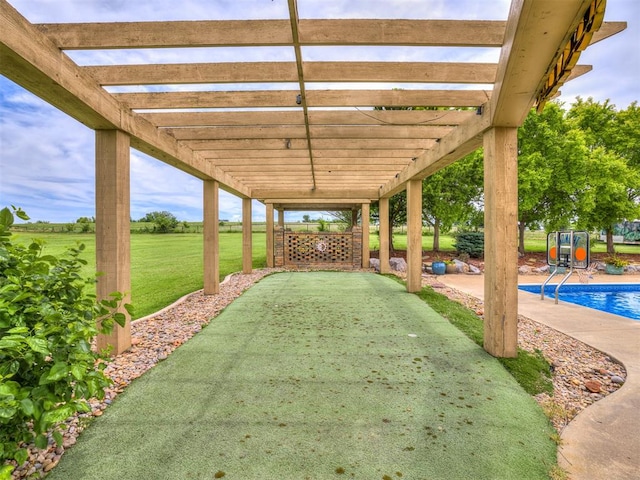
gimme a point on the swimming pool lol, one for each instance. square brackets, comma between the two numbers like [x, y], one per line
[617, 298]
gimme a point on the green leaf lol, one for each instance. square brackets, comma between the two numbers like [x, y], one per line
[9, 389]
[60, 414]
[21, 456]
[39, 345]
[120, 319]
[77, 370]
[27, 407]
[41, 441]
[5, 472]
[18, 330]
[57, 372]
[9, 343]
[57, 436]
[21, 296]
[6, 218]
[21, 214]
[7, 412]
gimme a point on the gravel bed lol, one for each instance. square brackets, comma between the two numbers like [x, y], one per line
[581, 374]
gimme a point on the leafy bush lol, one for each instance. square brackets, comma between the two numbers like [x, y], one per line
[323, 225]
[471, 243]
[164, 222]
[47, 321]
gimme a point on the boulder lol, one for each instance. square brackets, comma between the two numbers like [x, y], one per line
[461, 267]
[473, 270]
[398, 264]
[375, 264]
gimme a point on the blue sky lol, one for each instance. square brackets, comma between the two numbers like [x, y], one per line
[47, 158]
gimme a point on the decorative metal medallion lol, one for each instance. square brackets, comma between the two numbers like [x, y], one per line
[321, 245]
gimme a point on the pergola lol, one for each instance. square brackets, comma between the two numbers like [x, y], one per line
[290, 142]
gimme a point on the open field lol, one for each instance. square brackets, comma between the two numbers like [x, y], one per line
[163, 267]
[166, 267]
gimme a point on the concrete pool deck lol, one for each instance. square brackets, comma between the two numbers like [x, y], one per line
[603, 441]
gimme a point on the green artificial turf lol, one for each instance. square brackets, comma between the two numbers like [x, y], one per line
[320, 375]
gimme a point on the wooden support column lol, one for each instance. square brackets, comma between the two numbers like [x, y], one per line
[281, 218]
[414, 235]
[365, 235]
[211, 238]
[383, 214]
[270, 250]
[113, 247]
[247, 250]
[501, 242]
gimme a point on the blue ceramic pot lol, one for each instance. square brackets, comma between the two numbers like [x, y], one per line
[438, 268]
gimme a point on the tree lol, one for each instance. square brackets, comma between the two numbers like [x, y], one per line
[552, 171]
[613, 183]
[449, 196]
[626, 136]
[164, 222]
[611, 194]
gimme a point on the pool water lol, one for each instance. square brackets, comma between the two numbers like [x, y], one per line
[619, 299]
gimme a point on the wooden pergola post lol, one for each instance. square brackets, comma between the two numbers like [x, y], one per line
[270, 240]
[113, 249]
[383, 214]
[247, 227]
[281, 218]
[365, 235]
[211, 241]
[414, 235]
[501, 242]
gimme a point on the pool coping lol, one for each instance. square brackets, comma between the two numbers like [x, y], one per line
[602, 441]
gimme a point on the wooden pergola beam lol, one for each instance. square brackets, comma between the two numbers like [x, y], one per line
[315, 98]
[212, 33]
[283, 72]
[324, 117]
[294, 145]
[299, 131]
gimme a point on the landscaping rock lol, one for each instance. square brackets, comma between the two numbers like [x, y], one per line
[461, 267]
[544, 269]
[375, 264]
[473, 270]
[593, 386]
[524, 270]
[398, 264]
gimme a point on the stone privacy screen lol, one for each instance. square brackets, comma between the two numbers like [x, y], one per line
[318, 249]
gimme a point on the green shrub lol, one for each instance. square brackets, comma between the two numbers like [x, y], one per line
[471, 243]
[323, 226]
[47, 322]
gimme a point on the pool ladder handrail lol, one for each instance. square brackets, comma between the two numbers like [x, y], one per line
[566, 277]
[558, 265]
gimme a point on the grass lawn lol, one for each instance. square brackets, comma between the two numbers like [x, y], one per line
[163, 267]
